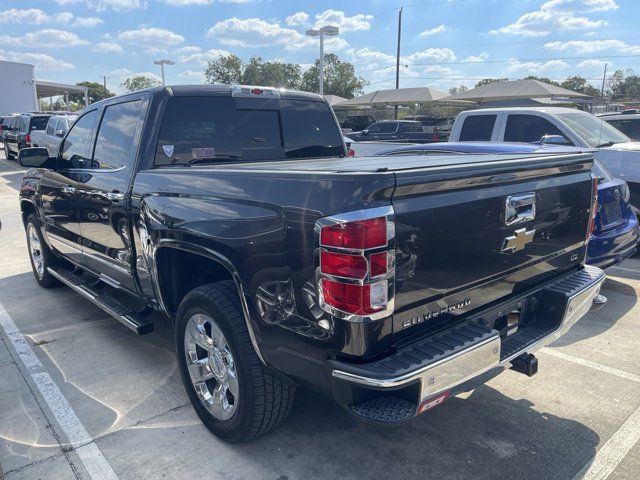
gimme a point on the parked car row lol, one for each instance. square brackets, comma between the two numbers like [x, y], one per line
[33, 129]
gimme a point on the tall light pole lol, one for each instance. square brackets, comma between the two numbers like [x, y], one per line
[162, 63]
[329, 31]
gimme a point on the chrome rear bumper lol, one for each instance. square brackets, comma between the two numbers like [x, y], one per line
[564, 301]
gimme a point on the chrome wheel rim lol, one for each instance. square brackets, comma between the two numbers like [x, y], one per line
[211, 366]
[35, 249]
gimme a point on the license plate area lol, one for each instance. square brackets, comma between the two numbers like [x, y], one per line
[508, 318]
[612, 213]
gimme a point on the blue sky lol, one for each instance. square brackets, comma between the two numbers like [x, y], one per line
[445, 43]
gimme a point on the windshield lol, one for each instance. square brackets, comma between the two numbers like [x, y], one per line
[593, 130]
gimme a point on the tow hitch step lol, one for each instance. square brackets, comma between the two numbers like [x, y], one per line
[133, 319]
[526, 363]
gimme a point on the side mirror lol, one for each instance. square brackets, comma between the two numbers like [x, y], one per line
[365, 132]
[59, 133]
[33, 157]
[553, 140]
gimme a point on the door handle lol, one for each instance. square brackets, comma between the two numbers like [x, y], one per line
[114, 196]
[68, 189]
[520, 208]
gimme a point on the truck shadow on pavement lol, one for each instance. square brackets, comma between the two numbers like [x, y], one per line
[488, 435]
[12, 180]
[621, 299]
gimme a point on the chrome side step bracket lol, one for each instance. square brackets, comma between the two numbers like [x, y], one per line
[109, 304]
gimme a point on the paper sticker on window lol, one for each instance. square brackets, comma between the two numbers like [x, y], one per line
[168, 150]
[203, 153]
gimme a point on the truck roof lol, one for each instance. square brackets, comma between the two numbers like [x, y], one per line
[550, 110]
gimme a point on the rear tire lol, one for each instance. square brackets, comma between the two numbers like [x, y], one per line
[40, 256]
[215, 354]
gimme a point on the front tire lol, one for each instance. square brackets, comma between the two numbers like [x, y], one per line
[233, 394]
[7, 153]
[39, 254]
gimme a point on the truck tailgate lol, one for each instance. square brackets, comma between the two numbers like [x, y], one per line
[470, 234]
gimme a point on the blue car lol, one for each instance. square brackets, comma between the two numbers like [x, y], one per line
[615, 236]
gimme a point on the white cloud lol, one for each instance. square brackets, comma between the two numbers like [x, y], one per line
[593, 46]
[439, 54]
[371, 57]
[40, 60]
[476, 58]
[86, 21]
[203, 58]
[593, 64]
[108, 47]
[535, 67]
[151, 38]
[192, 74]
[297, 19]
[46, 38]
[182, 3]
[117, 5]
[557, 16]
[189, 49]
[339, 19]
[434, 31]
[35, 16]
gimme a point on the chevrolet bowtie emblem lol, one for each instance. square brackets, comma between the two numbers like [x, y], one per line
[518, 240]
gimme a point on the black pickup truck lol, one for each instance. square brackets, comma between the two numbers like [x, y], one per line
[386, 283]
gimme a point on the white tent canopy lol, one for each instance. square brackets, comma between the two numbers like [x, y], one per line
[334, 99]
[400, 96]
[515, 89]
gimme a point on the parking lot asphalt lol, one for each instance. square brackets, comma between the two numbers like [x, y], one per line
[68, 371]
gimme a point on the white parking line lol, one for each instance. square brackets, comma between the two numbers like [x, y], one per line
[613, 451]
[87, 450]
[596, 366]
[622, 441]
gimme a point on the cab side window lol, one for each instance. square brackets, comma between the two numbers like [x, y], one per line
[75, 149]
[477, 128]
[51, 126]
[528, 128]
[118, 130]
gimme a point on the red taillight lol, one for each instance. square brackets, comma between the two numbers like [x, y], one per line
[356, 265]
[357, 235]
[27, 138]
[257, 91]
[594, 207]
[355, 299]
[351, 152]
[378, 263]
[343, 265]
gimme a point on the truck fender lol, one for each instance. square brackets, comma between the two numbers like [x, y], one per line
[220, 259]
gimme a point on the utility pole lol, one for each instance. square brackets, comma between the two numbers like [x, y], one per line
[104, 81]
[604, 77]
[395, 110]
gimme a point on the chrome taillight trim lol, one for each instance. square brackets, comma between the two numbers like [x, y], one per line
[366, 214]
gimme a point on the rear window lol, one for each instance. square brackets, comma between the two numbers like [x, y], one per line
[39, 123]
[210, 129]
[477, 128]
[630, 127]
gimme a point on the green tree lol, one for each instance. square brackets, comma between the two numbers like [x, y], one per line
[96, 92]
[460, 89]
[138, 82]
[271, 74]
[623, 83]
[227, 69]
[580, 85]
[339, 78]
[487, 81]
